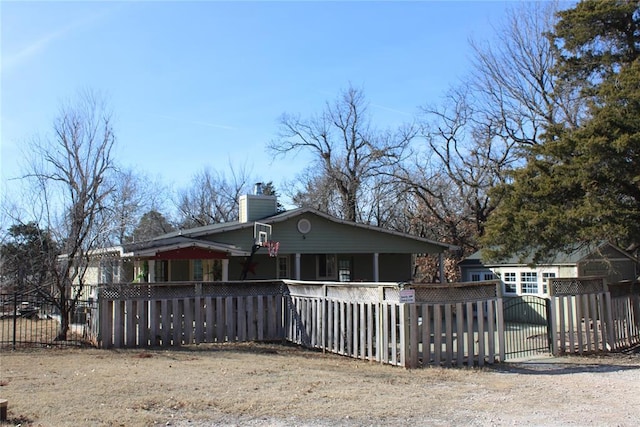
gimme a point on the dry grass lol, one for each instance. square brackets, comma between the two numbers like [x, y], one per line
[252, 384]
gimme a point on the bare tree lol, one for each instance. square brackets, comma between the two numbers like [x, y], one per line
[134, 195]
[347, 150]
[71, 172]
[212, 198]
[486, 125]
[514, 81]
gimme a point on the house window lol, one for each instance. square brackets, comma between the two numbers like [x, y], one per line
[545, 281]
[510, 285]
[212, 270]
[283, 267]
[110, 271]
[529, 282]
[162, 270]
[479, 276]
[344, 270]
[326, 266]
[197, 270]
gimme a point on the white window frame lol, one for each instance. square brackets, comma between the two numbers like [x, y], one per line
[529, 283]
[510, 281]
[545, 280]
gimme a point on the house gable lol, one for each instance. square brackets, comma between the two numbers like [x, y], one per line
[306, 231]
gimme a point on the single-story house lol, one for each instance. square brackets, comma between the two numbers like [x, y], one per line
[520, 276]
[311, 245]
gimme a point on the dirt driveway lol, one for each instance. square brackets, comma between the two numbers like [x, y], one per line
[281, 386]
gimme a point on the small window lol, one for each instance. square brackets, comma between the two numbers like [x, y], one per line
[162, 270]
[110, 271]
[212, 270]
[475, 277]
[326, 266]
[545, 281]
[510, 285]
[344, 270]
[529, 282]
[283, 267]
[197, 270]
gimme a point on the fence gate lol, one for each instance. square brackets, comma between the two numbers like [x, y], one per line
[526, 326]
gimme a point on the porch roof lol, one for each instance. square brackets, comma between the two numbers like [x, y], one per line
[156, 246]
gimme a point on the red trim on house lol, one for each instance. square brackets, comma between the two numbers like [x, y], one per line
[190, 253]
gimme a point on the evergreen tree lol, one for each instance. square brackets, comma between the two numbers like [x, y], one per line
[582, 186]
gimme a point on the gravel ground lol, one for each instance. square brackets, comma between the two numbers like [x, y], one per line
[273, 385]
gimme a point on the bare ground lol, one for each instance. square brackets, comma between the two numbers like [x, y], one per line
[276, 385]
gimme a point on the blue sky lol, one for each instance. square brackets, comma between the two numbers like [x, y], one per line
[202, 84]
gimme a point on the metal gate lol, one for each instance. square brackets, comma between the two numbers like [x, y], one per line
[526, 326]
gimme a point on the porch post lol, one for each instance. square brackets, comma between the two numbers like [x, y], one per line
[376, 267]
[225, 270]
[152, 271]
[441, 265]
[298, 267]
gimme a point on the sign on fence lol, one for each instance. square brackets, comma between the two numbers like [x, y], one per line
[408, 296]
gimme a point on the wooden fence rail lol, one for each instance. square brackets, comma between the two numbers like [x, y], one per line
[410, 335]
[192, 320]
[460, 325]
[594, 322]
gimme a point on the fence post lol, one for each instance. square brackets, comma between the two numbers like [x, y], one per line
[15, 317]
[608, 307]
[551, 325]
[404, 342]
[501, 331]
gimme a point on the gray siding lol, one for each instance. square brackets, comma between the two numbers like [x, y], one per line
[329, 237]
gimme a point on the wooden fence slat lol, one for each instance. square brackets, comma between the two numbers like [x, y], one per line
[588, 325]
[437, 332]
[143, 323]
[481, 337]
[448, 327]
[198, 319]
[426, 335]
[563, 322]
[470, 333]
[209, 319]
[371, 330]
[579, 323]
[363, 330]
[355, 330]
[414, 335]
[106, 323]
[187, 325]
[165, 317]
[595, 322]
[570, 324]
[394, 333]
[459, 335]
[261, 316]
[242, 318]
